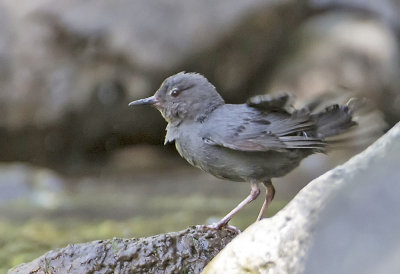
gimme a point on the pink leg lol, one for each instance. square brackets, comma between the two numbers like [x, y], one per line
[270, 193]
[255, 191]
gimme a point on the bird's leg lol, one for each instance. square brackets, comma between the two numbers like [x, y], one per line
[255, 191]
[270, 193]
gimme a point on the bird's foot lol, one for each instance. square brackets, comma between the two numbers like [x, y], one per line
[217, 226]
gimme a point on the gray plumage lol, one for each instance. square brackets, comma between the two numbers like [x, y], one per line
[252, 142]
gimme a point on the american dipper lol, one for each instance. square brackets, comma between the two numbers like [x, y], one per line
[252, 142]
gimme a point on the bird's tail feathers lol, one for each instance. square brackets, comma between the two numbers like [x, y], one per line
[333, 121]
[336, 124]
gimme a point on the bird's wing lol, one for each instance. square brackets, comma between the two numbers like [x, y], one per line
[252, 130]
[279, 103]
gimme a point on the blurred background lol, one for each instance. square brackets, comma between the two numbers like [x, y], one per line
[76, 164]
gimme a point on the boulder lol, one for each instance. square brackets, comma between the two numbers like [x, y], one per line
[37, 187]
[71, 67]
[358, 231]
[331, 59]
[68, 70]
[346, 214]
[326, 218]
[187, 251]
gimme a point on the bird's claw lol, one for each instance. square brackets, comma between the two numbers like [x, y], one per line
[217, 226]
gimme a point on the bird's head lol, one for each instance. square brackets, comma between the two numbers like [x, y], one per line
[184, 96]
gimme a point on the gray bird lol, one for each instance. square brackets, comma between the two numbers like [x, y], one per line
[252, 142]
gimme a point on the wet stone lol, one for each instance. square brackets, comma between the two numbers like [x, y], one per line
[186, 251]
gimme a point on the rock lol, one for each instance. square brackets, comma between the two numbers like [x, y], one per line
[187, 251]
[330, 56]
[5, 45]
[359, 226]
[251, 49]
[70, 69]
[281, 244]
[98, 44]
[38, 187]
[385, 10]
[74, 66]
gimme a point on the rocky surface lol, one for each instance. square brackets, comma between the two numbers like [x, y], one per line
[331, 57]
[281, 244]
[359, 226]
[187, 251]
[275, 245]
[69, 69]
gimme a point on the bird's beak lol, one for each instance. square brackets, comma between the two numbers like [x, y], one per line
[146, 101]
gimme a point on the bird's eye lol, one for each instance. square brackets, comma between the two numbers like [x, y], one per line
[174, 92]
